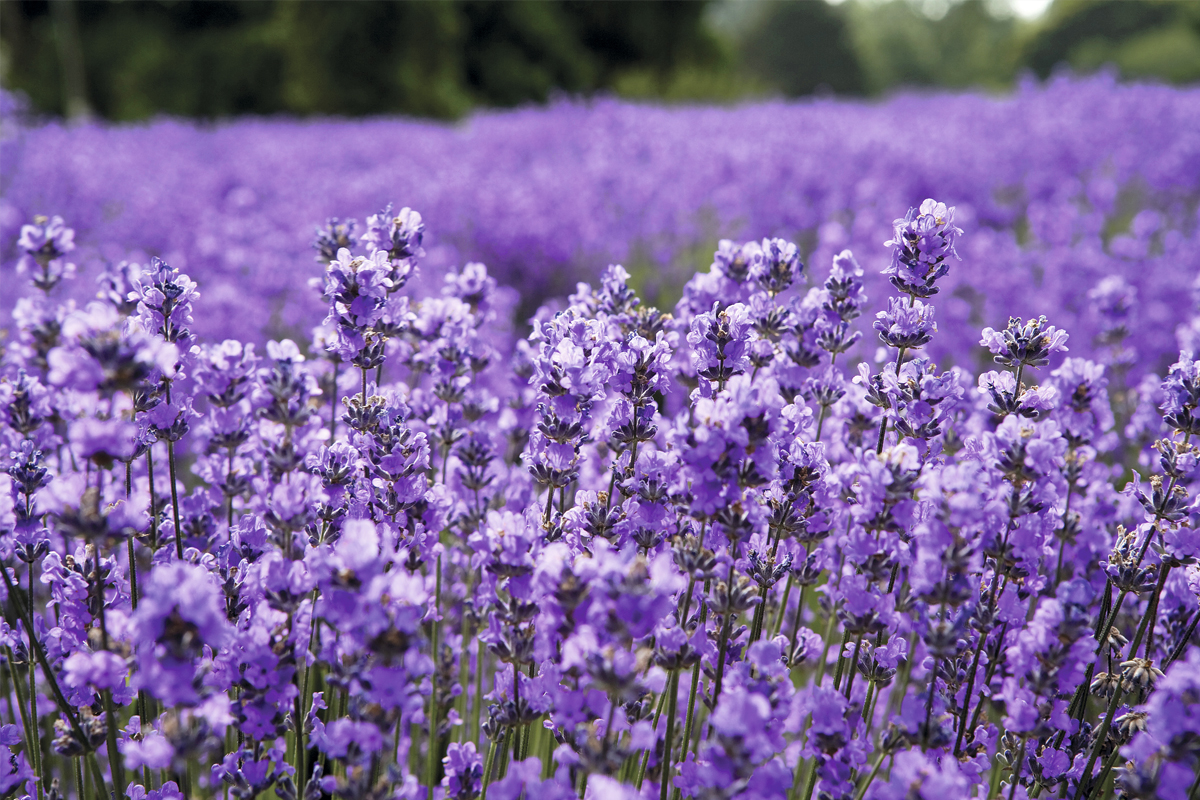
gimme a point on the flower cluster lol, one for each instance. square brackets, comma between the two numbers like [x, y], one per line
[710, 553]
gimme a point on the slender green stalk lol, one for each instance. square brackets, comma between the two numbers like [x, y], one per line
[866, 783]
[549, 503]
[36, 752]
[662, 698]
[812, 781]
[841, 662]
[153, 499]
[60, 699]
[690, 721]
[30, 730]
[883, 423]
[1108, 765]
[175, 500]
[873, 692]
[825, 649]
[777, 623]
[333, 398]
[853, 665]
[668, 766]
[464, 679]
[115, 760]
[477, 707]
[433, 756]
[1016, 777]
[795, 622]
[962, 727]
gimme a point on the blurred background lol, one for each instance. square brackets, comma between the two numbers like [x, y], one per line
[134, 59]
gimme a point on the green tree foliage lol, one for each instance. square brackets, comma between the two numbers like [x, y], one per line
[211, 58]
[802, 48]
[1144, 39]
[872, 46]
[131, 59]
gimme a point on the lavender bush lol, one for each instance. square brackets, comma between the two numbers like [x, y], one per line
[844, 523]
[1062, 185]
[633, 554]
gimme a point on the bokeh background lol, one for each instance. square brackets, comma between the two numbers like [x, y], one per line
[134, 59]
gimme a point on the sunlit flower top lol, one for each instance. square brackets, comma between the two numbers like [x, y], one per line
[922, 241]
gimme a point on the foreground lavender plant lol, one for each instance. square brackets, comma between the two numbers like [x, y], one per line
[635, 554]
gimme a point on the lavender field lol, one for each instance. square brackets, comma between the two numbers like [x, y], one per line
[347, 460]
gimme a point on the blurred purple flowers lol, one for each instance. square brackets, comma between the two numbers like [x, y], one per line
[710, 551]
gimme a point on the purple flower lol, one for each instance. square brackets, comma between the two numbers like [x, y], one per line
[777, 267]
[182, 612]
[1181, 396]
[164, 301]
[719, 340]
[464, 771]
[399, 235]
[333, 236]
[921, 242]
[906, 323]
[352, 742]
[43, 245]
[102, 670]
[107, 438]
[1029, 343]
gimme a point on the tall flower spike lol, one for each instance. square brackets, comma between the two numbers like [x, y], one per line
[333, 236]
[922, 241]
[164, 301]
[844, 287]
[43, 245]
[905, 325]
[1029, 343]
[778, 267]
[1181, 390]
[399, 235]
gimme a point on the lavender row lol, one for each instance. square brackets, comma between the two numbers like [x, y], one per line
[706, 553]
[1063, 184]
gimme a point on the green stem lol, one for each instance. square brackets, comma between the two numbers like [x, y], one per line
[883, 423]
[60, 699]
[333, 401]
[825, 649]
[33, 712]
[641, 776]
[30, 730]
[841, 662]
[1108, 765]
[777, 624]
[488, 764]
[153, 499]
[668, 766]
[862, 789]
[1016, 777]
[690, 720]
[433, 756]
[853, 665]
[115, 761]
[175, 500]
[962, 727]
[812, 781]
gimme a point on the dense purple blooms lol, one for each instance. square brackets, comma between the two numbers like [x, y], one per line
[638, 551]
